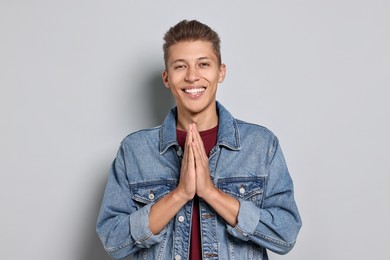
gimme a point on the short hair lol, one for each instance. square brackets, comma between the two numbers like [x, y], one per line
[191, 31]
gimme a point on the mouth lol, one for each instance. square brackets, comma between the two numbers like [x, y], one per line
[194, 91]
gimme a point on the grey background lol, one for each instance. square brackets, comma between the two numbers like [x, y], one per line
[78, 76]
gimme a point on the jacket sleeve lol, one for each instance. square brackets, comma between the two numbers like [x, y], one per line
[276, 224]
[122, 228]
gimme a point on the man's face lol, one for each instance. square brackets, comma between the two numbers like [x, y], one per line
[192, 75]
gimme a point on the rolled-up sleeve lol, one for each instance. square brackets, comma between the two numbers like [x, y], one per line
[247, 220]
[122, 227]
[140, 231]
[274, 225]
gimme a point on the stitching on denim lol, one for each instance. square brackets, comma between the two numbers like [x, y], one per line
[142, 239]
[273, 148]
[237, 134]
[239, 230]
[117, 248]
[152, 183]
[270, 239]
[275, 241]
[163, 244]
[242, 232]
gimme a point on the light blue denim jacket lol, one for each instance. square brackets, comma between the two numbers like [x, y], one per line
[246, 163]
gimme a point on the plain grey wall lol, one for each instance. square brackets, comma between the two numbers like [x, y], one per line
[77, 76]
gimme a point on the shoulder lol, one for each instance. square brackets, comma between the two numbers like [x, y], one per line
[252, 129]
[148, 135]
[257, 137]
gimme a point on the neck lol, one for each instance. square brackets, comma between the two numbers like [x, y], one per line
[204, 121]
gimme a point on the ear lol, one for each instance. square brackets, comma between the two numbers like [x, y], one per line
[165, 78]
[222, 73]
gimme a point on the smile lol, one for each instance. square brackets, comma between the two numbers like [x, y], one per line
[194, 91]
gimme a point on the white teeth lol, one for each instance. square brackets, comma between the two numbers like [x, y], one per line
[194, 90]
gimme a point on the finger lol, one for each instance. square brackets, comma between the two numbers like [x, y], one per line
[197, 155]
[201, 162]
[196, 145]
[190, 146]
[199, 143]
[189, 135]
[190, 163]
[191, 157]
[187, 142]
[189, 138]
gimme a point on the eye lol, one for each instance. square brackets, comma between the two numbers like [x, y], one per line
[179, 66]
[204, 64]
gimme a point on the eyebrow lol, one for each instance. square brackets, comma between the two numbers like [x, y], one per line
[198, 59]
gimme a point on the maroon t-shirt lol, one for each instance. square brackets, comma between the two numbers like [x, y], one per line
[209, 138]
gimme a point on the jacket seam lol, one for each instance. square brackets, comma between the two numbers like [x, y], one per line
[117, 248]
[142, 239]
[275, 241]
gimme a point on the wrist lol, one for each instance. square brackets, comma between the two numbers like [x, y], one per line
[180, 196]
[209, 194]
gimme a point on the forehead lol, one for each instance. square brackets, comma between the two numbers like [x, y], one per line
[191, 50]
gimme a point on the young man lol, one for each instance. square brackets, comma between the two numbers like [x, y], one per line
[203, 185]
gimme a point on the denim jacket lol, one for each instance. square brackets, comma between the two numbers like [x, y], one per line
[246, 163]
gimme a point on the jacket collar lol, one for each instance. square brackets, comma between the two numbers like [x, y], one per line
[228, 134]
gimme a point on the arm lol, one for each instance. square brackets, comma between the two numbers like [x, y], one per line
[166, 208]
[225, 205]
[276, 225]
[122, 228]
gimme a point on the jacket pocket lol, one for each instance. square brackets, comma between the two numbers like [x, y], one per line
[246, 188]
[151, 191]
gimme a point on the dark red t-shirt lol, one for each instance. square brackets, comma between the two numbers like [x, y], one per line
[209, 138]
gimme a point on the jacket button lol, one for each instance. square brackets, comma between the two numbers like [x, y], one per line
[181, 219]
[151, 196]
[179, 152]
[242, 190]
[177, 257]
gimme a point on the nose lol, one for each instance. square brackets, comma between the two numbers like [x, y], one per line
[192, 74]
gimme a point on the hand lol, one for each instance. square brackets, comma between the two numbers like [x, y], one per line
[204, 186]
[195, 179]
[187, 182]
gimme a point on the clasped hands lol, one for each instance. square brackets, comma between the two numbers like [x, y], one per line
[194, 174]
[194, 180]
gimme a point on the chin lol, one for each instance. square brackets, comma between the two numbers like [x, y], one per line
[198, 109]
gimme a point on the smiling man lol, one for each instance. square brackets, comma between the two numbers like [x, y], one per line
[203, 185]
[192, 73]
